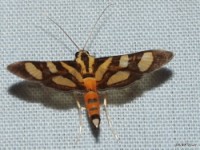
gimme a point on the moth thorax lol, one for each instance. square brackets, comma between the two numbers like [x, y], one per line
[90, 84]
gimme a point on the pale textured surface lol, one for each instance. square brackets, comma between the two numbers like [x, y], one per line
[159, 112]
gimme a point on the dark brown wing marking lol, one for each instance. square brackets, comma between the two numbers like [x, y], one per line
[119, 71]
[60, 75]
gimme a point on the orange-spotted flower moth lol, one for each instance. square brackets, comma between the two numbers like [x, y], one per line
[88, 73]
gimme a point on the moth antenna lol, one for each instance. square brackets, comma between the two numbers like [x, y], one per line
[92, 30]
[63, 31]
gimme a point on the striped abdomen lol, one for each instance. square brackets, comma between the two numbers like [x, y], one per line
[91, 99]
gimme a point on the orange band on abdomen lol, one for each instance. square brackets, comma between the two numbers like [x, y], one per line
[92, 103]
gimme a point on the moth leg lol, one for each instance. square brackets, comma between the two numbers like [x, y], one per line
[80, 112]
[108, 118]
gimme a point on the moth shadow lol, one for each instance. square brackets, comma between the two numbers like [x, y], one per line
[146, 83]
[37, 93]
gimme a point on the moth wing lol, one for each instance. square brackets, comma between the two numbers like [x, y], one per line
[61, 75]
[122, 70]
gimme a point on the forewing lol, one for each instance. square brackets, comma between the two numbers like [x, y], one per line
[119, 71]
[60, 75]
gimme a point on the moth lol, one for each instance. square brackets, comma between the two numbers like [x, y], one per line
[91, 74]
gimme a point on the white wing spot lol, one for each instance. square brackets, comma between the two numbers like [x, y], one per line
[123, 62]
[118, 77]
[146, 61]
[52, 67]
[102, 69]
[32, 70]
[73, 71]
[63, 81]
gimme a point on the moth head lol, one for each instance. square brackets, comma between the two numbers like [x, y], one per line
[81, 53]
